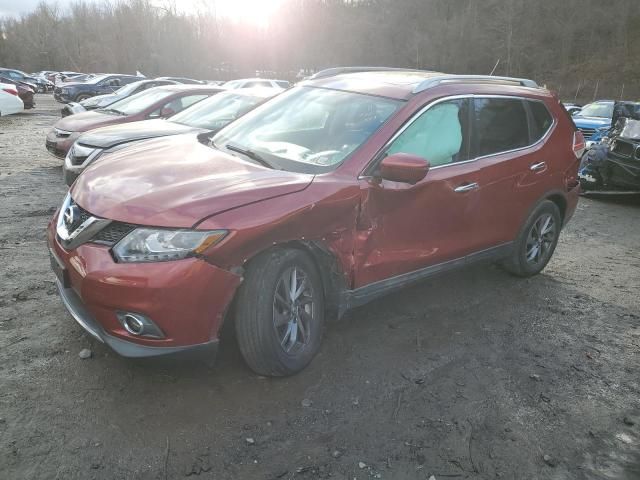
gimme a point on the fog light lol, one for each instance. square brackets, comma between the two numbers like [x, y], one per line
[139, 325]
[133, 324]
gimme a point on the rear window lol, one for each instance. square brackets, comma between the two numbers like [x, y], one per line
[541, 120]
[500, 125]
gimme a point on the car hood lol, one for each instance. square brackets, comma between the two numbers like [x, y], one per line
[83, 121]
[591, 122]
[177, 182]
[107, 137]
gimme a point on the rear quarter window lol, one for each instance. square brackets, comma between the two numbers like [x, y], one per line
[541, 119]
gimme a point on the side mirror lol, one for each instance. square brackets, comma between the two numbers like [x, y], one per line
[166, 112]
[404, 168]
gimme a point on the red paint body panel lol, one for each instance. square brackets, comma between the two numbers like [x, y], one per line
[176, 182]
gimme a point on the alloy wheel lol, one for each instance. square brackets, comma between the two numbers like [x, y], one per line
[540, 239]
[293, 310]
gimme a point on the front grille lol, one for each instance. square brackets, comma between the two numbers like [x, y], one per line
[113, 233]
[587, 132]
[109, 235]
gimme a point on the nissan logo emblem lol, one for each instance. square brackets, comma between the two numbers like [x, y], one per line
[70, 216]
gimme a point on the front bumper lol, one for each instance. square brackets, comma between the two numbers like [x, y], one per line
[124, 348]
[59, 146]
[186, 299]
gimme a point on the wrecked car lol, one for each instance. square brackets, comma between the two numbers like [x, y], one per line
[344, 188]
[613, 164]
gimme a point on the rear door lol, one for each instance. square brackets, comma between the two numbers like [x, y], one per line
[509, 136]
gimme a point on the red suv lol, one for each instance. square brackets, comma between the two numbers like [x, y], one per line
[342, 189]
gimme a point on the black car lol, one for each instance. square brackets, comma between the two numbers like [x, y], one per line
[207, 116]
[99, 85]
[101, 101]
[613, 165]
[39, 85]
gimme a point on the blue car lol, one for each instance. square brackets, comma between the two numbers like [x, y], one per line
[594, 119]
[97, 85]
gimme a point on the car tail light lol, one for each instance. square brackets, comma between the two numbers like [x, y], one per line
[12, 91]
[579, 144]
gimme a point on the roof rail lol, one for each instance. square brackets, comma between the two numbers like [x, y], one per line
[330, 72]
[435, 81]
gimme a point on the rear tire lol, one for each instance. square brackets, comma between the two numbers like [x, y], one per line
[280, 312]
[536, 241]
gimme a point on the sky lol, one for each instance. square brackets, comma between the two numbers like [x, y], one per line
[257, 10]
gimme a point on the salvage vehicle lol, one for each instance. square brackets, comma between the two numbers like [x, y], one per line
[209, 115]
[97, 85]
[592, 117]
[613, 164]
[25, 92]
[339, 190]
[10, 102]
[101, 101]
[158, 102]
[39, 84]
[256, 83]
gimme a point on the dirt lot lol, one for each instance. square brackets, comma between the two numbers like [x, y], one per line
[471, 375]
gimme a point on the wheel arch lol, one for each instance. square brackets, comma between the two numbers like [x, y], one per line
[561, 202]
[327, 265]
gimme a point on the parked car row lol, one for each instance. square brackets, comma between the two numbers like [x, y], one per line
[280, 216]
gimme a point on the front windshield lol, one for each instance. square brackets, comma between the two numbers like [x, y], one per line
[308, 129]
[128, 89]
[602, 110]
[140, 101]
[217, 111]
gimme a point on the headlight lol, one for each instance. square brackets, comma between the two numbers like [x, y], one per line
[159, 245]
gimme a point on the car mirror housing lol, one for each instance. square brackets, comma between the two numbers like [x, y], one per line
[404, 168]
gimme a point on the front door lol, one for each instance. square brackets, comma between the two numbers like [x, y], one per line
[403, 228]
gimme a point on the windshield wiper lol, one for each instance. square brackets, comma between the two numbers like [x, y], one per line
[251, 154]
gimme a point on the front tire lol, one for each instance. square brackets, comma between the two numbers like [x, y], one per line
[536, 241]
[82, 96]
[280, 312]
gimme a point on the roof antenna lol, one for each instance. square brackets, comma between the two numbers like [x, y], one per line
[494, 68]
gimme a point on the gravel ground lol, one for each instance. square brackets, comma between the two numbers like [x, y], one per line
[475, 374]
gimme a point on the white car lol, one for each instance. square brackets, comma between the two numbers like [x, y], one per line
[9, 100]
[256, 82]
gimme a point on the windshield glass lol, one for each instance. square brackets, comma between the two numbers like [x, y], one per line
[128, 89]
[217, 111]
[140, 101]
[603, 110]
[309, 129]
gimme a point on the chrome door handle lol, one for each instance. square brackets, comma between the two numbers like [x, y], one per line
[538, 166]
[467, 187]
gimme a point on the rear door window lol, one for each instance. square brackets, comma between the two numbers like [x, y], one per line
[500, 125]
[541, 120]
[439, 135]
